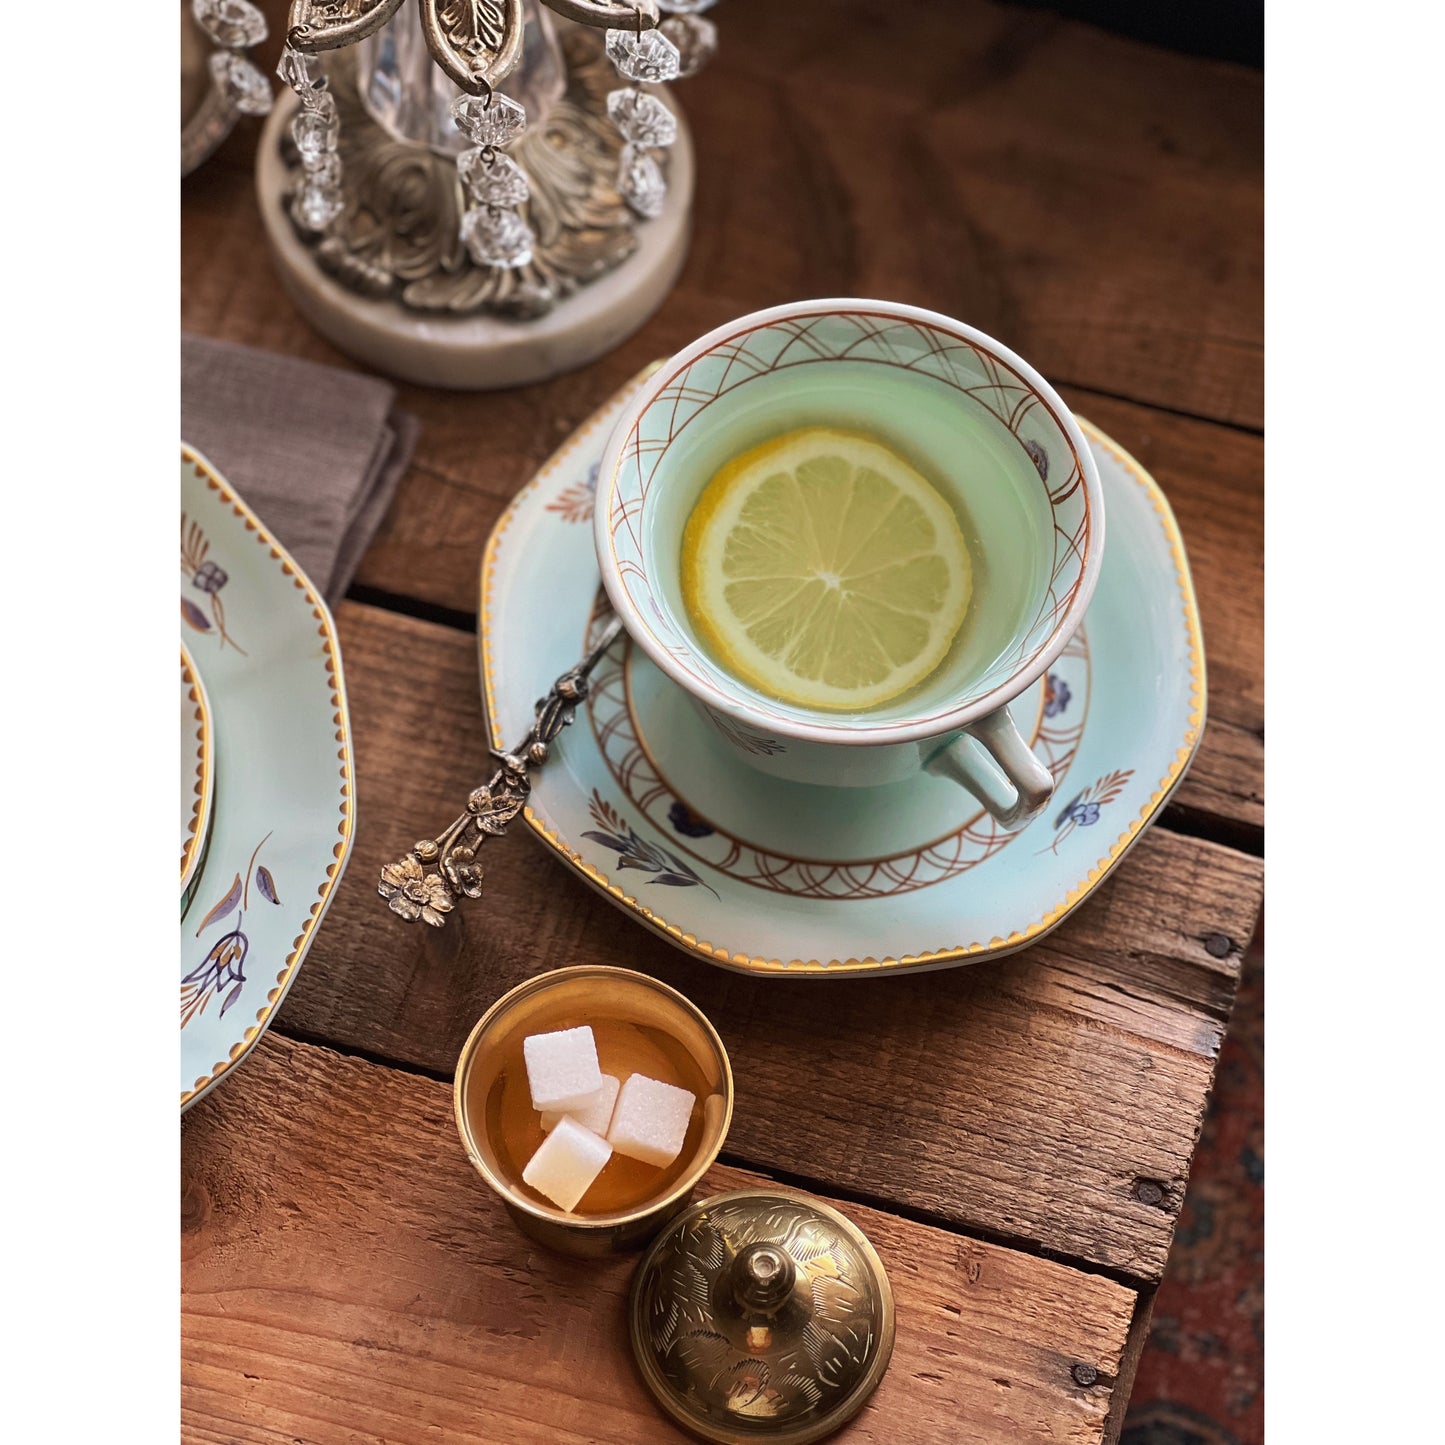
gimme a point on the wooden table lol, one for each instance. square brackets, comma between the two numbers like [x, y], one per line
[1015, 1136]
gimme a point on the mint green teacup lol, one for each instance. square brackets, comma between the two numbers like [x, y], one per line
[978, 420]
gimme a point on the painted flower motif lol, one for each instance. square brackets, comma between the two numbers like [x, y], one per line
[686, 822]
[413, 893]
[576, 503]
[634, 851]
[223, 965]
[1082, 810]
[1056, 695]
[210, 578]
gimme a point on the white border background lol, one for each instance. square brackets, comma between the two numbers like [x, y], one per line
[1353, 604]
[91, 260]
[1354, 599]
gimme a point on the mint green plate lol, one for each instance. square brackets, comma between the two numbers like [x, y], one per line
[647, 803]
[285, 801]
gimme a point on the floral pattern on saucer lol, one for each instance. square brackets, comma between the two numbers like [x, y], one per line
[1129, 695]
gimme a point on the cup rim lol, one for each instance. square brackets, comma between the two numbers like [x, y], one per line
[550, 1214]
[937, 724]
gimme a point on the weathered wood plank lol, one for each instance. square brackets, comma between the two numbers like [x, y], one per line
[347, 1277]
[957, 157]
[1024, 1097]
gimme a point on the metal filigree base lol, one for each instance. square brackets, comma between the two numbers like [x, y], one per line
[392, 286]
[399, 234]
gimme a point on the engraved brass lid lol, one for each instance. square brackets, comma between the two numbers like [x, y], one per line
[762, 1315]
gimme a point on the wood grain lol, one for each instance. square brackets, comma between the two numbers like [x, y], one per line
[347, 1277]
[430, 544]
[1023, 1098]
[1094, 203]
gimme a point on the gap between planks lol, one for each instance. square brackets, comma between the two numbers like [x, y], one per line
[733, 1159]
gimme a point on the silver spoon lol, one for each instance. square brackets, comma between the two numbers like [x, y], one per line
[425, 883]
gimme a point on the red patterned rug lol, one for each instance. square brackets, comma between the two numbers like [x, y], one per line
[1201, 1377]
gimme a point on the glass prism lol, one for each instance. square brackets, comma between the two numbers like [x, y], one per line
[325, 170]
[640, 182]
[493, 180]
[315, 134]
[642, 118]
[316, 206]
[235, 24]
[495, 237]
[240, 82]
[299, 70]
[649, 58]
[495, 121]
[695, 38]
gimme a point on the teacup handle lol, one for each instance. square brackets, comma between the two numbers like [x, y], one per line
[996, 735]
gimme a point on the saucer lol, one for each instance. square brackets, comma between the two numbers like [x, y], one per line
[284, 814]
[646, 802]
[198, 775]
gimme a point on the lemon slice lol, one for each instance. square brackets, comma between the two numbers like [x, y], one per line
[824, 570]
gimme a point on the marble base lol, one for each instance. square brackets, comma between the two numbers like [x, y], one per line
[478, 353]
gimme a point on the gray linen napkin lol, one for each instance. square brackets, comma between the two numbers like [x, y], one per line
[315, 452]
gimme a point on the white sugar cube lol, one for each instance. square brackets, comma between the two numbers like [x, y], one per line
[595, 1115]
[562, 1069]
[566, 1163]
[650, 1120]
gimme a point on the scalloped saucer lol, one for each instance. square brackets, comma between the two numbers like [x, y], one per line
[285, 808]
[643, 799]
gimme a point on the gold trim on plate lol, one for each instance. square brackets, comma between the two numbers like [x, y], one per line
[196, 841]
[341, 718]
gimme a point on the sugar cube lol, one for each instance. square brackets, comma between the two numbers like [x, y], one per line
[595, 1115]
[562, 1069]
[650, 1120]
[566, 1163]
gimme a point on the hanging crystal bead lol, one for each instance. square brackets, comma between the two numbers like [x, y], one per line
[640, 182]
[642, 118]
[325, 170]
[240, 83]
[493, 180]
[314, 206]
[648, 58]
[303, 73]
[236, 24]
[300, 71]
[696, 41]
[316, 133]
[495, 121]
[495, 237]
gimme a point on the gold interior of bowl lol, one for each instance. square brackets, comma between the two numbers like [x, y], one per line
[566, 998]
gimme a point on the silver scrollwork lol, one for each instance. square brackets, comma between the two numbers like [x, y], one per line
[329, 24]
[476, 42]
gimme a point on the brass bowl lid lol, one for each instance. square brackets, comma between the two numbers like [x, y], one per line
[762, 1315]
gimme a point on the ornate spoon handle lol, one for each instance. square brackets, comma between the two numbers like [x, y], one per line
[410, 889]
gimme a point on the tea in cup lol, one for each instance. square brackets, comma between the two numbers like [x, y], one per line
[854, 532]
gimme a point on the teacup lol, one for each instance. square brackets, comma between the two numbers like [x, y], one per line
[969, 413]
